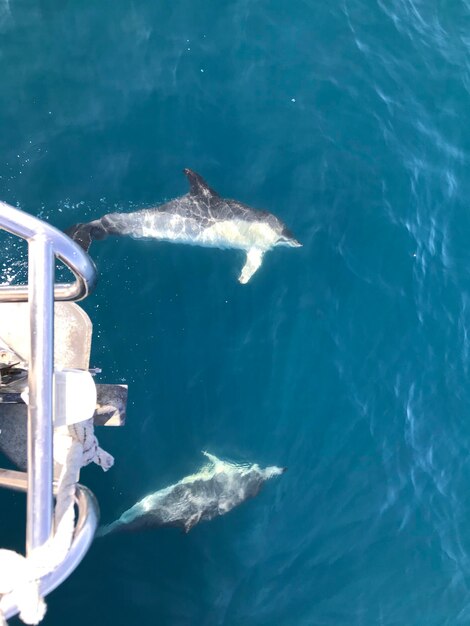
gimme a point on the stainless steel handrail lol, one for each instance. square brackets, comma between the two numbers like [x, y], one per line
[77, 260]
[40, 392]
[87, 522]
[44, 243]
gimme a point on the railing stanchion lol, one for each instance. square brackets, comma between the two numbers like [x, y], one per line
[41, 268]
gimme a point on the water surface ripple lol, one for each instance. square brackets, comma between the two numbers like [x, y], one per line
[346, 360]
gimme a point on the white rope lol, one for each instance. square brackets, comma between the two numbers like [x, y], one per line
[17, 577]
[74, 447]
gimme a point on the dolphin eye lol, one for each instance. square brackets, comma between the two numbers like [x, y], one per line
[286, 234]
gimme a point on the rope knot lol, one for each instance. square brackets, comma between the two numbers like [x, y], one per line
[18, 577]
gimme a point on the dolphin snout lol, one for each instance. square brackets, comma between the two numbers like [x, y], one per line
[287, 239]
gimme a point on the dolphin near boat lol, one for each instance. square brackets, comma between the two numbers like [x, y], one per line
[215, 489]
[201, 217]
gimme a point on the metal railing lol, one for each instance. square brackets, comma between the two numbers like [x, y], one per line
[44, 244]
[87, 521]
[77, 260]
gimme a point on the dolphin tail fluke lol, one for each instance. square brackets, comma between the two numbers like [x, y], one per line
[85, 234]
[102, 531]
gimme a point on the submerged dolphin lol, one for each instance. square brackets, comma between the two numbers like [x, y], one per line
[201, 217]
[217, 488]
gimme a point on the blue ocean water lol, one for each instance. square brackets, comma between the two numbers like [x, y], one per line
[346, 360]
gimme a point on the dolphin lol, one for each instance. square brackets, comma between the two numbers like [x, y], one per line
[215, 489]
[200, 217]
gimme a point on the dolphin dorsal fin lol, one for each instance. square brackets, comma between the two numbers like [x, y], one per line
[212, 458]
[198, 186]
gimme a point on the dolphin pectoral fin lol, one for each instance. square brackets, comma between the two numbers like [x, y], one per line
[254, 258]
[191, 521]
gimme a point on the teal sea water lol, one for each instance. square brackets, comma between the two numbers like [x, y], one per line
[346, 360]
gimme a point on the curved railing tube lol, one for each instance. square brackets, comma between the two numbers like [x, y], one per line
[87, 522]
[77, 260]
